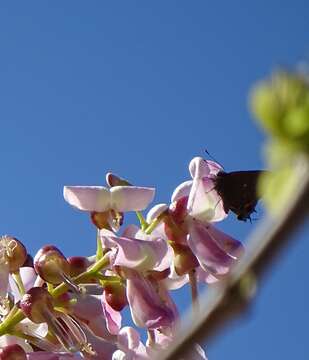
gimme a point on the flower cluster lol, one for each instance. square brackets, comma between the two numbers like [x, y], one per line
[54, 307]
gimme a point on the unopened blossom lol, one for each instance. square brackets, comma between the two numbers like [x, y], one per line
[13, 252]
[12, 352]
[12, 256]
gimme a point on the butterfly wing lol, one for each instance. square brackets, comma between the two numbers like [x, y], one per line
[238, 192]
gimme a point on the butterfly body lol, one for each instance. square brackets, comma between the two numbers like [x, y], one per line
[238, 191]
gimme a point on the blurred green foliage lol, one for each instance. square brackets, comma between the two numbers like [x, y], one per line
[281, 105]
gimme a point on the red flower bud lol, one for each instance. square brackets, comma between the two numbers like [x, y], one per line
[36, 304]
[51, 264]
[12, 352]
[115, 294]
[78, 264]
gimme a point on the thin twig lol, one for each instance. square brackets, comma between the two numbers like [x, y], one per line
[227, 300]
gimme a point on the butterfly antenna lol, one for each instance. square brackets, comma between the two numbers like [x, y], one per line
[212, 158]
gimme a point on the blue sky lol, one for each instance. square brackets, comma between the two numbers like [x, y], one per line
[140, 88]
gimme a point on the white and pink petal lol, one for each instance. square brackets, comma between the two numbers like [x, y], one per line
[131, 198]
[88, 198]
[147, 308]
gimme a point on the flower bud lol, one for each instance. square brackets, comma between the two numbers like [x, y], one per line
[78, 264]
[12, 352]
[36, 303]
[13, 252]
[115, 180]
[115, 295]
[51, 264]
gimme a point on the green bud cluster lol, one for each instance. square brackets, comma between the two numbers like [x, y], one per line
[281, 105]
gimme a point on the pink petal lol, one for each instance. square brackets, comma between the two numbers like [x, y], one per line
[113, 317]
[131, 198]
[230, 245]
[200, 167]
[141, 255]
[156, 211]
[6, 340]
[130, 345]
[130, 231]
[103, 348]
[147, 308]
[214, 167]
[205, 276]
[210, 255]
[204, 203]
[88, 198]
[89, 309]
[128, 338]
[182, 190]
[28, 276]
[43, 355]
[174, 281]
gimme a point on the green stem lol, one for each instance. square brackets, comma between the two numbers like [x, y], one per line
[99, 265]
[142, 220]
[19, 282]
[152, 226]
[108, 279]
[99, 253]
[11, 321]
[83, 277]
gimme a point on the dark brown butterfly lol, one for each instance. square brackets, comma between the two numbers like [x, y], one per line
[238, 192]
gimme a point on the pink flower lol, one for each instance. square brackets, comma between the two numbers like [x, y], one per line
[215, 250]
[140, 255]
[203, 203]
[89, 310]
[113, 317]
[130, 346]
[100, 198]
[148, 308]
[162, 340]
[194, 206]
